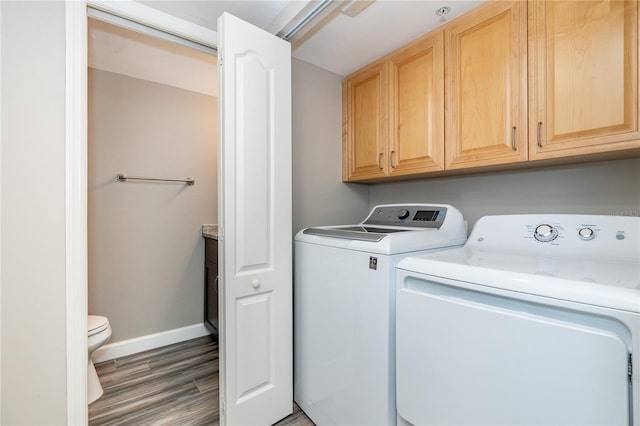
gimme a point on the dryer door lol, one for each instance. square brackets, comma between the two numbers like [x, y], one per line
[468, 357]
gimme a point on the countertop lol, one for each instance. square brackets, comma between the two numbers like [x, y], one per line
[210, 231]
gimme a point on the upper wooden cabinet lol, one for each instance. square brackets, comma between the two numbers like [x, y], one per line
[364, 123]
[514, 82]
[583, 84]
[393, 114]
[486, 86]
[416, 120]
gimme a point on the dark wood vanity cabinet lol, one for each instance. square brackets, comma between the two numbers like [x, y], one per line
[211, 285]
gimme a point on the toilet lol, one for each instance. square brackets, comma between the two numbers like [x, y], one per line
[99, 332]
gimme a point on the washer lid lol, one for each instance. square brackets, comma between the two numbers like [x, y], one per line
[394, 229]
[96, 324]
[356, 232]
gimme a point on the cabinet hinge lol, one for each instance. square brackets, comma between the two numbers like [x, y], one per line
[630, 367]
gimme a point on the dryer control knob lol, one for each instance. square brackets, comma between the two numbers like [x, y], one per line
[586, 234]
[403, 214]
[545, 233]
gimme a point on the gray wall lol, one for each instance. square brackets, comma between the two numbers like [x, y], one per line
[32, 321]
[319, 196]
[611, 187]
[146, 251]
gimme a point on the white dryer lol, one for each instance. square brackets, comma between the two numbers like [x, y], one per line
[536, 320]
[344, 309]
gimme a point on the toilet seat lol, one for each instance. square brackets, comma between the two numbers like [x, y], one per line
[96, 324]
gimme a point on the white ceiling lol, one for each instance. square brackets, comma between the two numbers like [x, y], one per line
[206, 12]
[341, 44]
[345, 44]
[122, 51]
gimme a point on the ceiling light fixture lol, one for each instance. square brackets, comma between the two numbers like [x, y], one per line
[354, 7]
[442, 12]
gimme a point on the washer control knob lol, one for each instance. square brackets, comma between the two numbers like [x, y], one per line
[545, 233]
[403, 214]
[586, 234]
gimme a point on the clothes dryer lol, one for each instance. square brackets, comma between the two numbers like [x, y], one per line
[536, 320]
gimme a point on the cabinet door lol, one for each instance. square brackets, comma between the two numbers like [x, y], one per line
[211, 285]
[486, 86]
[211, 297]
[583, 77]
[364, 110]
[416, 82]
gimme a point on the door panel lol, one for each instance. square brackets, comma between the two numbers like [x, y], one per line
[254, 344]
[254, 149]
[256, 381]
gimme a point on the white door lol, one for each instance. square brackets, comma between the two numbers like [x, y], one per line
[255, 219]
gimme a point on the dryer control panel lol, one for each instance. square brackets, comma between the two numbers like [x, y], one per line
[586, 232]
[561, 234]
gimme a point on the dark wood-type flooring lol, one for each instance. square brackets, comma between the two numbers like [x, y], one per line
[172, 385]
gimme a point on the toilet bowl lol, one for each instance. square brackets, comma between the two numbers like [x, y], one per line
[99, 332]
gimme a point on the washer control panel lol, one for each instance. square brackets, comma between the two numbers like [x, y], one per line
[574, 235]
[413, 215]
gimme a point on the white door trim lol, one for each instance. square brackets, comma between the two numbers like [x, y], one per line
[158, 20]
[76, 197]
[0, 211]
[76, 209]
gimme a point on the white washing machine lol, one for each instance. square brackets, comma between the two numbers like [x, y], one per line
[535, 321]
[344, 303]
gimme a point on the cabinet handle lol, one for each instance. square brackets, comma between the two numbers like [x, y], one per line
[391, 159]
[539, 134]
[513, 138]
[380, 161]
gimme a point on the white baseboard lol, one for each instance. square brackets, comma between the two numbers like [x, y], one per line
[150, 341]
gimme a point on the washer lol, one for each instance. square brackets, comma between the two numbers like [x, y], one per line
[344, 309]
[536, 320]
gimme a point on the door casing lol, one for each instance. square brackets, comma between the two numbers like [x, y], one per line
[76, 163]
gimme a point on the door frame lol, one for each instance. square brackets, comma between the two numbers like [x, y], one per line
[76, 164]
[76, 160]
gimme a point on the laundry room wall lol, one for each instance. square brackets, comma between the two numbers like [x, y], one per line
[145, 245]
[605, 188]
[32, 234]
[319, 195]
